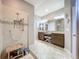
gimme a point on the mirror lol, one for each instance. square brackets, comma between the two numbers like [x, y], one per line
[52, 31]
[50, 23]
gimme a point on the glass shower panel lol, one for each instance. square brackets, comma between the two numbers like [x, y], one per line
[15, 27]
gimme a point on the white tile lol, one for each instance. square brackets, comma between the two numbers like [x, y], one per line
[44, 51]
[29, 56]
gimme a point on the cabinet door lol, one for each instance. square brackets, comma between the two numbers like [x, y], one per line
[41, 36]
[58, 39]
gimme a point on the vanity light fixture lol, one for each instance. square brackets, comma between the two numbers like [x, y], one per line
[43, 21]
[59, 17]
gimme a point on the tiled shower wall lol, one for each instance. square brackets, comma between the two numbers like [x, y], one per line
[11, 35]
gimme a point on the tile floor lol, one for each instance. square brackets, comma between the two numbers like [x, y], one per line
[43, 51]
[29, 56]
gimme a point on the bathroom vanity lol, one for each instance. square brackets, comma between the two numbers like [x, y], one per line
[52, 32]
[55, 38]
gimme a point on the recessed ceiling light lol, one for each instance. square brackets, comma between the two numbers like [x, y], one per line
[46, 10]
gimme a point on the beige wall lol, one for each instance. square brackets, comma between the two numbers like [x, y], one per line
[26, 10]
[1, 47]
[68, 25]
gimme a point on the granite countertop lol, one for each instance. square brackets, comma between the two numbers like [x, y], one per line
[50, 32]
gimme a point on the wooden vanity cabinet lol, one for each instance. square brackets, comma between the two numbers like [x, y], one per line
[58, 39]
[41, 36]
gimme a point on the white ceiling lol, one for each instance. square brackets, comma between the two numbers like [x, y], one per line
[43, 7]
